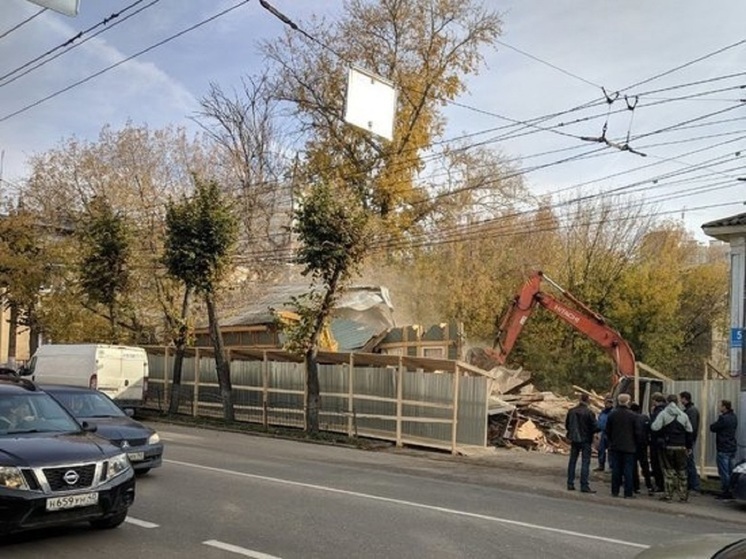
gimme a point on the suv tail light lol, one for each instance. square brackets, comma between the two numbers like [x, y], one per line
[93, 382]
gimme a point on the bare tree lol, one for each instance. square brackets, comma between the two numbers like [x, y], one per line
[246, 126]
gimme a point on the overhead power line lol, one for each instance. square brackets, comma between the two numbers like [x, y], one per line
[686, 64]
[542, 61]
[125, 60]
[73, 42]
[21, 24]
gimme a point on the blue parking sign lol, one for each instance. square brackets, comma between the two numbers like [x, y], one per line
[736, 338]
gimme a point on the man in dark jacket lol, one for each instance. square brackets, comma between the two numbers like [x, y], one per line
[623, 430]
[725, 445]
[642, 451]
[655, 443]
[580, 424]
[692, 413]
[673, 426]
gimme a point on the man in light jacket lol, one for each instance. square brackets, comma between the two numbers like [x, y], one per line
[674, 427]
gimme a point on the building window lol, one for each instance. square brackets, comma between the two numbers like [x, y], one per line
[435, 352]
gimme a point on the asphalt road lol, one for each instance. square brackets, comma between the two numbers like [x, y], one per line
[226, 495]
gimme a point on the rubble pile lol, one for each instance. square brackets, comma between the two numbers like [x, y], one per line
[521, 415]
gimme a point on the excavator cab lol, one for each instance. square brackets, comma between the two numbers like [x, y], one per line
[648, 386]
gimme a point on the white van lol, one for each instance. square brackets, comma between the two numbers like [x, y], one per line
[120, 372]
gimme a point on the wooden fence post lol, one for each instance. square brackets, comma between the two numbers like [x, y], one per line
[350, 395]
[454, 424]
[166, 389]
[195, 398]
[265, 389]
[704, 407]
[305, 393]
[399, 398]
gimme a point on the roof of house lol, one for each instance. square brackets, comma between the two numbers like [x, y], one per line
[732, 221]
[727, 228]
[260, 309]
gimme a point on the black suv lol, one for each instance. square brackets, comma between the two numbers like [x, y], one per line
[53, 471]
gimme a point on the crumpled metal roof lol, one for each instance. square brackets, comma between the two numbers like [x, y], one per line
[351, 335]
[353, 303]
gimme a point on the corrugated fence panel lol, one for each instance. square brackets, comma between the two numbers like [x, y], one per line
[247, 379]
[275, 391]
[334, 381]
[378, 384]
[435, 392]
[472, 411]
[286, 398]
[709, 408]
[156, 366]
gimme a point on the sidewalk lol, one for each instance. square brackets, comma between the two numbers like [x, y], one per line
[546, 474]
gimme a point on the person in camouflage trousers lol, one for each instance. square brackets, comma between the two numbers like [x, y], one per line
[674, 427]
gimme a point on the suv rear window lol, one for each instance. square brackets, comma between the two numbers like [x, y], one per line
[33, 412]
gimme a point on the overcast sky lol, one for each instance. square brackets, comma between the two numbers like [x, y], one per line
[600, 43]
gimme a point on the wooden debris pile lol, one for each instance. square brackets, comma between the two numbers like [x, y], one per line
[521, 415]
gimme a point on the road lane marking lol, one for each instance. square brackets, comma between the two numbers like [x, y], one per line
[239, 550]
[401, 502]
[140, 523]
[171, 436]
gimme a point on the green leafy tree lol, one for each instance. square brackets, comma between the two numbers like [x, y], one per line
[24, 271]
[104, 268]
[333, 229]
[137, 169]
[201, 232]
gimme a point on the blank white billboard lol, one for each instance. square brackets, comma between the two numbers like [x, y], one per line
[370, 103]
[67, 7]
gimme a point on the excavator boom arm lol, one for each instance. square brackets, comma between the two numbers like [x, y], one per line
[609, 339]
[582, 319]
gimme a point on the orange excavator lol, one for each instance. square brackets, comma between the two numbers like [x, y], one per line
[584, 320]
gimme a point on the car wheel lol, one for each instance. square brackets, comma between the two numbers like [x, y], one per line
[140, 473]
[109, 523]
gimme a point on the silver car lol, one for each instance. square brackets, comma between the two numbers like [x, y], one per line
[706, 546]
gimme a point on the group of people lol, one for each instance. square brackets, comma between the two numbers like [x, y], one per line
[660, 446]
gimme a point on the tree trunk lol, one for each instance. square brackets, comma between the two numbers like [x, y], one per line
[222, 366]
[313, 392]
[180, 342]
[34, 332]
[113, 318]
[12, 335]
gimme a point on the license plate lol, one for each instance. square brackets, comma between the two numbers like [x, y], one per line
[72, 501]
[136, 456]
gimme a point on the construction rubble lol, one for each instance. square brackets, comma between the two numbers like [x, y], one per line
[520, 415]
